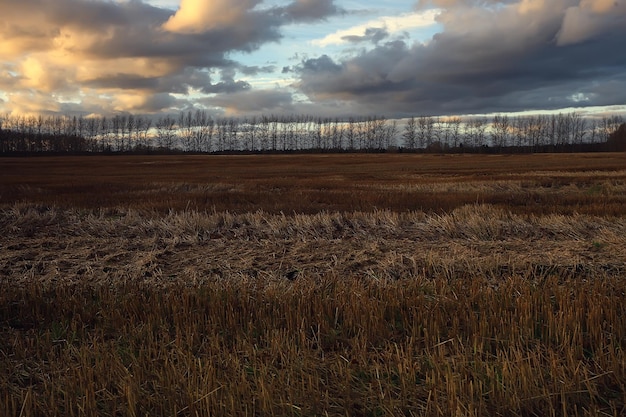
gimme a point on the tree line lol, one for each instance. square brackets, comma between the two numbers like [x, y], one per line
[198, 132]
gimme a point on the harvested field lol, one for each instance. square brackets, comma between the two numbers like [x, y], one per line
[122, 302]
[539, 184]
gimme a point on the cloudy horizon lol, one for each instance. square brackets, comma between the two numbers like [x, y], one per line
[320, 57]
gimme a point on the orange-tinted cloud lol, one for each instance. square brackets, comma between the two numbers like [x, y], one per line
[109, 55]
[197, 16]
[590, 18]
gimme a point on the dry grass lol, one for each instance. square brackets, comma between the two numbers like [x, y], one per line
[108, 246]
[525, 184]
[176, 287]
[478, 312]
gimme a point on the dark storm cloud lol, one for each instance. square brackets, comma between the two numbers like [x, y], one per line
[522, 56]
[362, 75]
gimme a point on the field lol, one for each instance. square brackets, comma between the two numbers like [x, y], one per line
[302, 285]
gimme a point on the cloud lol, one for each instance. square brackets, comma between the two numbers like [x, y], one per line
[228, 84]
[373, 35]
[310, 10]
[196, 16]
[81, 51]
[323, 65]
[253, 102]
[103, 56]
[255, 69]
[34, 102]
[590, 19]
[77, 51]
[152, 103]
[41, 74]
[200, 16]
[600, 6]
[389, 24]
[450, 4]
[523, 55]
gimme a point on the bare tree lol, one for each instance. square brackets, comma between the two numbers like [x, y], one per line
[390, 130]
[362, 134]
[263, 130]
[222, 134]
[454, 124]
[425, 126]
[380, 132]
[233, 134]
[409, 135]
[518, 129]
[351, 133]
[563, 129]
[608, 125]
[203, 132]
[478, 129]
[249, 133]
[92, 132]
[166, 132]
[593, 131]
[579, 128]
[533, 131]
[317, 133]
[273, 133]
[500, 130]
[186, 127]
[142, 129]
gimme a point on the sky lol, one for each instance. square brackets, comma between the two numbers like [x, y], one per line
[336, 58]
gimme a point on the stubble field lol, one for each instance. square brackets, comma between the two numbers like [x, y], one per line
[361, 285]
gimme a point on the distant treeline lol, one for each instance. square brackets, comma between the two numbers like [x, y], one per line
[198, 132]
